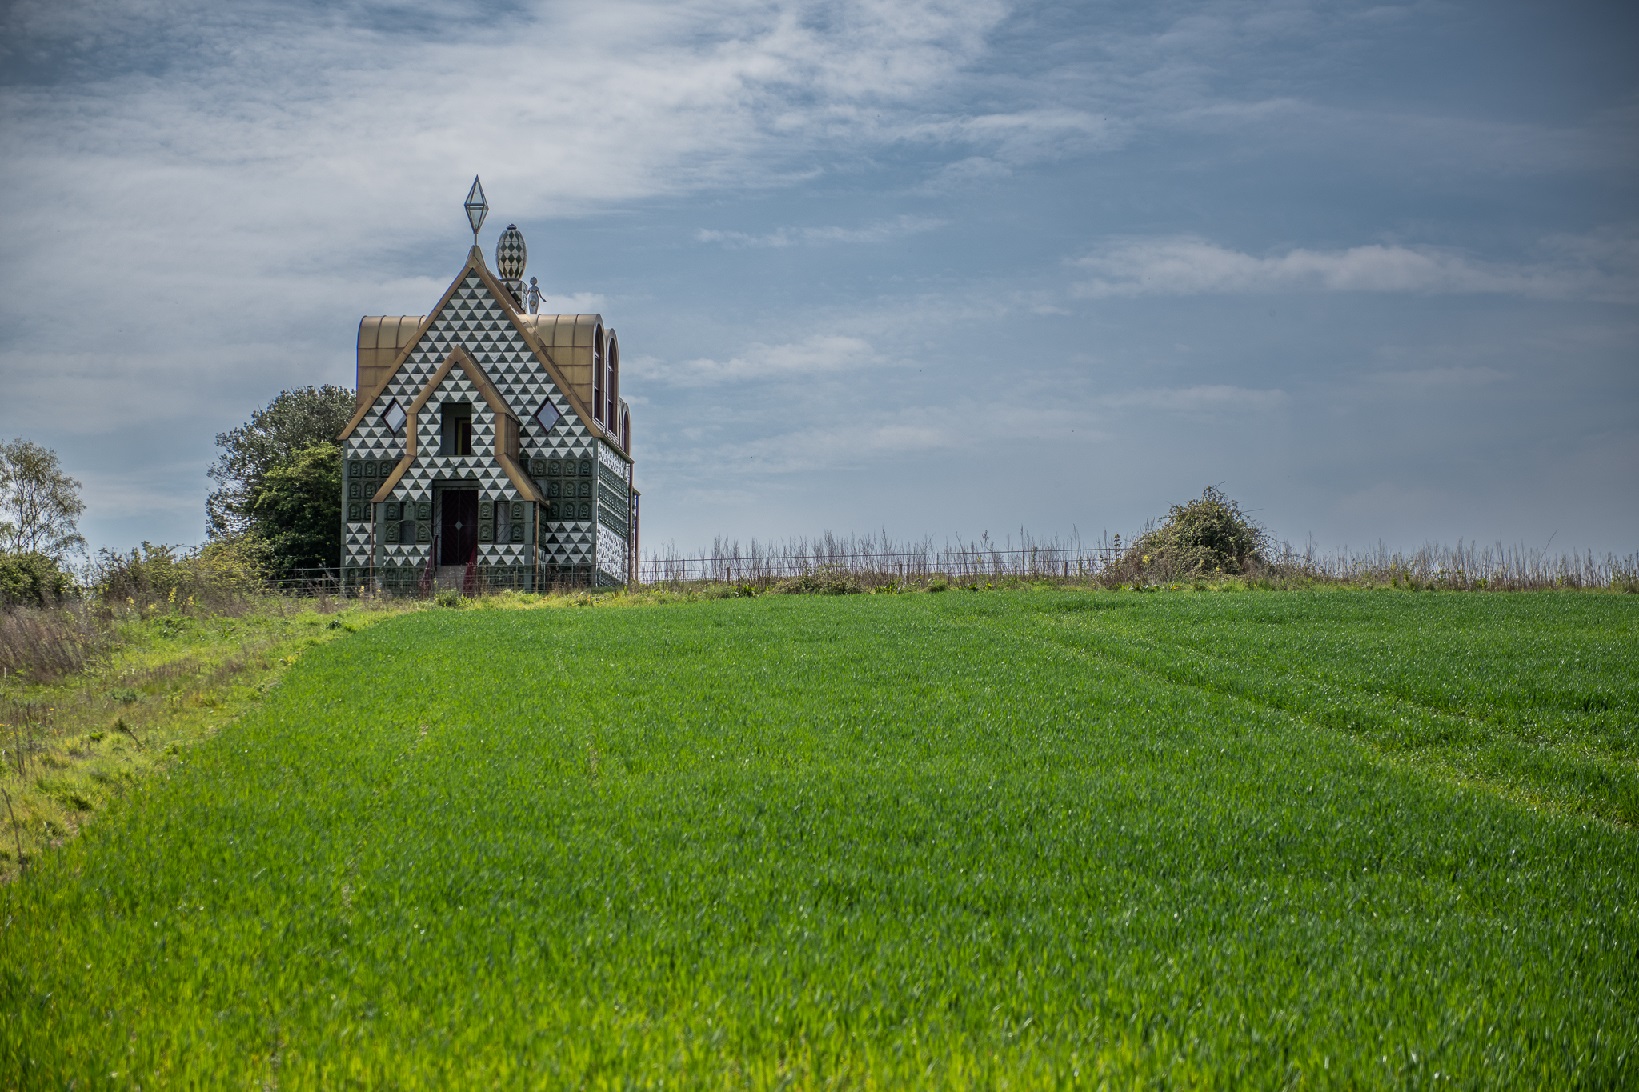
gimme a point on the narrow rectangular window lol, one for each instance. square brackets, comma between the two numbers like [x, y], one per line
[455, 432]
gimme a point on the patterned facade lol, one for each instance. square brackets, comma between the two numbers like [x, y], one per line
[476, 452]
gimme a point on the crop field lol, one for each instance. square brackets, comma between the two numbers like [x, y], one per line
[1018, 838]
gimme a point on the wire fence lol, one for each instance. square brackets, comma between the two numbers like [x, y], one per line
[961, 563]
[878, 560]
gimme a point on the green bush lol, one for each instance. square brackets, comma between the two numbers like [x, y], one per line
[217, 575]
[32, 580]
[822, 581]
[1207, 535]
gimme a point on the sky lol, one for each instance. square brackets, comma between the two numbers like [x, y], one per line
[925, 268]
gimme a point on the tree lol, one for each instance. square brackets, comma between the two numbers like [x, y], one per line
[40, 506]
[1209, 534]
[32, 580]
[295, 515]
[293, 422]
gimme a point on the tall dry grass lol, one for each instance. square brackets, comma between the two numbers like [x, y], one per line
[1468, 566]
[43, 644]
[878, 560]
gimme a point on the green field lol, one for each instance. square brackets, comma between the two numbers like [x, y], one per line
[1013, 838]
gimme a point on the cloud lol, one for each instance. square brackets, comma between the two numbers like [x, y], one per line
[228, 187]
[202, 198]
[1184, 265]
[281, 134]
[1453, 377]
[1206, 399]
[843, 443]
[816, 355]
[1027, 135]
[881, 231]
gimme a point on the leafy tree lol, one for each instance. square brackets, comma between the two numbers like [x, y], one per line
[31, 580]
[293, 422]
[295, 515]
[1209, 534]
[40, 506]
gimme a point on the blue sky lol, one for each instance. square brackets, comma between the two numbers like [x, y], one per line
[930, 268]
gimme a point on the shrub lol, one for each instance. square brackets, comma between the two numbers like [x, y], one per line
[218, 575]
[822, 581]
[1209, 534]
[32, 580]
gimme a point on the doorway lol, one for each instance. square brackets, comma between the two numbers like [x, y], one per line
[457, 526]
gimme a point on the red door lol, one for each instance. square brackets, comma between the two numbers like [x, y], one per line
[458, 527]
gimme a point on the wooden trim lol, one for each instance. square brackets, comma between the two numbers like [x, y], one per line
[526, 485]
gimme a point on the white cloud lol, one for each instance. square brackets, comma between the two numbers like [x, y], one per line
[227, 187]
[1206, 399]
[881, 231]
[820, 354]
[278, 137]
[1024, 136]
[1452, 377]
[1189, 265]
[218, 191]
[843, 443]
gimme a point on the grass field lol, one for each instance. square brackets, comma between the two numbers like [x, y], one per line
[158, 684]
[1022, 838]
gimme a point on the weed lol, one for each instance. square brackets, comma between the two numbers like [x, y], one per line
[125, 729]
[46, 644]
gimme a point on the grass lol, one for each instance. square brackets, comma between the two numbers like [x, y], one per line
[1026, 838]
[156, 684]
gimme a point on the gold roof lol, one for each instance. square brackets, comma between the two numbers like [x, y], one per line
[568, 340]
[567, 331]
[381, 339]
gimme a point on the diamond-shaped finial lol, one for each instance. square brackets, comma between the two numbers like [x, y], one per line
[477, 207]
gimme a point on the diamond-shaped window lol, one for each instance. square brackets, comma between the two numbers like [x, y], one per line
[394, 417]
[547, 416]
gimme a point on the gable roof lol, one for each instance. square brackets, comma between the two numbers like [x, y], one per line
[526, 330]
[474, 371]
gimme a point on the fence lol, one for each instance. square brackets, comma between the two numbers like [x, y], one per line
[960, 563]
[881, 560]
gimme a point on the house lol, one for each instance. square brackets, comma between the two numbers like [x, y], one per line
[489, 443]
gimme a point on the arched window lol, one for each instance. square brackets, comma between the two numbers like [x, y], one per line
[597, 374]
[611, 386]
[626, 429]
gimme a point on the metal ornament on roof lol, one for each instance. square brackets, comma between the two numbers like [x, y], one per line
[511, 253]
[477, 206]
[533, 295]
